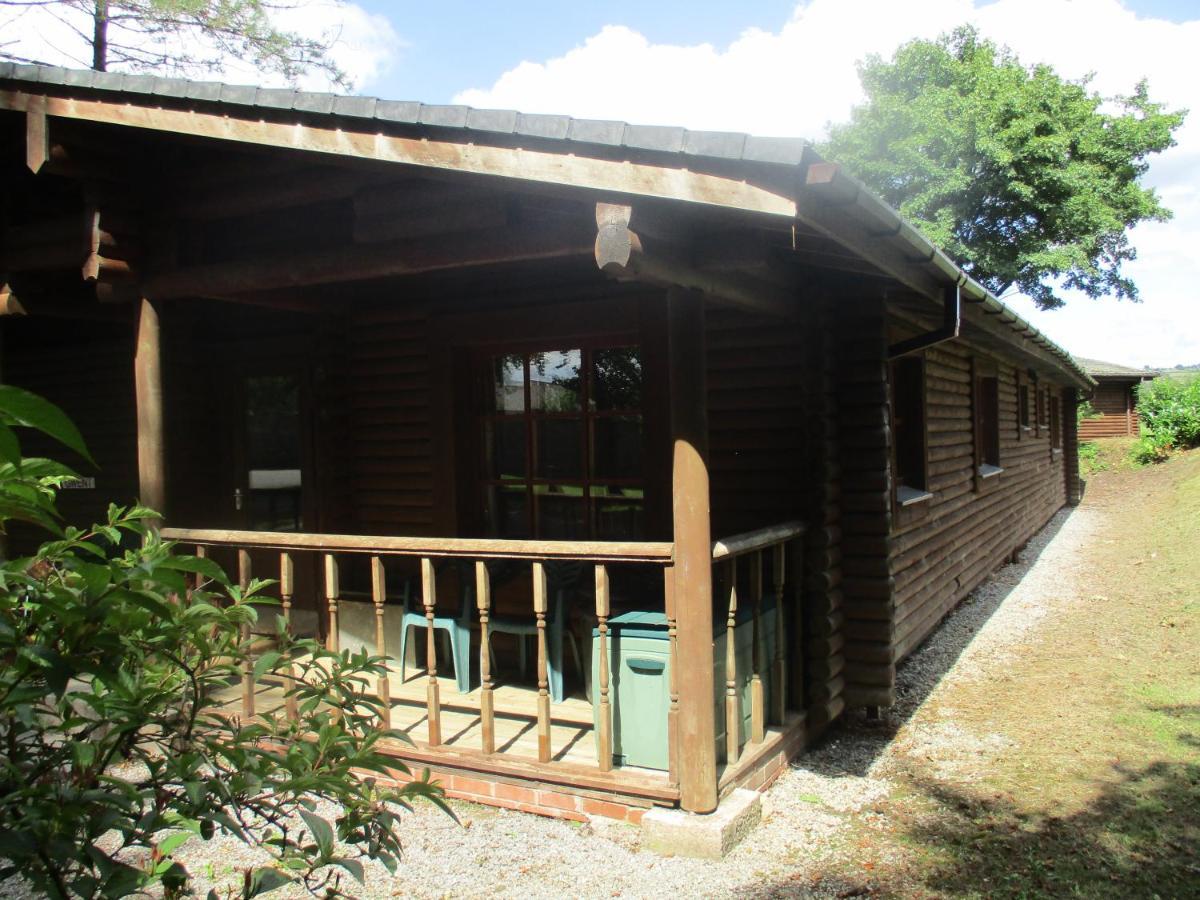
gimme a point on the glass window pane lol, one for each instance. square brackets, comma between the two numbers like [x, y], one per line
[560, 512]
[559, 444]
[508, 383]
[506, 510]
[617, 379]
[505, 448]
[555, 381]
[620, 518]
[617, 447]
[273, 453]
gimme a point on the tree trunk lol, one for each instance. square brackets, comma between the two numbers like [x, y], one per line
[100, 36]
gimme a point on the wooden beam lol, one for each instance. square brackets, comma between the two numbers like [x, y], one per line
[147, 373]
[624, 254]
[9, 304]
[692, 571]
[37, 134]
[360, 263]
[638, 179]
[268, 192]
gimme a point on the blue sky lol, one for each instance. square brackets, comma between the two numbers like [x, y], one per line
[454, 45]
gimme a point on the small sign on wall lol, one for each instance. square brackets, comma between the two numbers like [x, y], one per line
[79, 484]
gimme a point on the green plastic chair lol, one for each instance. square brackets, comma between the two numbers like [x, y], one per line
[457, 627]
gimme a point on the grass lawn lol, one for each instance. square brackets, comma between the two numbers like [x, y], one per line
[1096, 790]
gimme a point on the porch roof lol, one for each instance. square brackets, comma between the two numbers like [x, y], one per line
[780, 178]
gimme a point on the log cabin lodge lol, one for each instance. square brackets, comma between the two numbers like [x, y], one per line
[644, 453]
[1114, 401]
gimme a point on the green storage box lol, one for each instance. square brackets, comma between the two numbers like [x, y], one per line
[639, 681]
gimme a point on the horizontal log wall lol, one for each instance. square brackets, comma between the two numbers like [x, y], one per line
[941, 556]
[1115, 403]
[86, 368]
[757, 426]
[866, 497]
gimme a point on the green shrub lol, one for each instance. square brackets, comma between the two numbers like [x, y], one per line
[1085, 410]
[1089, 459]
[1150, 448]
[114, 753]
[1169, 412]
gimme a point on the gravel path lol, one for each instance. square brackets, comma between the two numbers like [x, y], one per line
[813, 812]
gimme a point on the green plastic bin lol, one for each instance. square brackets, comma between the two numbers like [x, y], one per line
[640, 681]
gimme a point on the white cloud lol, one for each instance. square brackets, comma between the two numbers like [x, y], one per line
[363, 44]
[795, 81]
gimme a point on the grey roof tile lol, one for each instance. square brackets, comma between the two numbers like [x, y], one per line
[443, 116]
[171, 87]
[52, 74]
[138, 84]
[204, 90]
[654, 137]
[27, 72]
[501, 120]
[7, 69]
[359, 107]
[543, 126]
[725, 144]
[275, 98]
[80, 77]
[108, 81]
[398, 111]
[242, 94]
[596, 131]
[785, 151]
[307, 101]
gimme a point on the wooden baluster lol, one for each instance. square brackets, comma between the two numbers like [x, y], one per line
[733, 704]
[432, 700]
[758, 712]
[197, 578]
[287, 587]
[543, 701]
[483, 600]
[779, 675]
[333, 639]
[673, 674]
[243, 557]
[379, 596]
[602, 612]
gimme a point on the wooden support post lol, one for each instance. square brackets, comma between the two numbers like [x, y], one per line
[37, 134]
[758, 708]
[483, 600]
[692, 569]
[379, 596]
[433, 703]
[779, 671]
[672, 675]
[333, 640]
[733, 699]
[147, 375]
[197, 578]
[602, 611]
[540, 606]
[243, 558]
[287, 587]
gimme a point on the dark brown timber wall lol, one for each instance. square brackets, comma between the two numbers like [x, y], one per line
[965, 533]
[1114, 400]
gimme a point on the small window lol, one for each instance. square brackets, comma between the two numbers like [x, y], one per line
[1040, 411]
[987, 423]
[1055, 423]
[908, 425]
[1022, 409]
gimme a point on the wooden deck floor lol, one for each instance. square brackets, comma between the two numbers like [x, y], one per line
[571, 734]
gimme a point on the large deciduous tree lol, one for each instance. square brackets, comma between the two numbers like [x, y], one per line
[191, 36]
[1031, 181]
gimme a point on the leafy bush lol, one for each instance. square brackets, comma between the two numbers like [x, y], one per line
[1169, 411]
[1089, 459]
[1085, 410]
[113, 751]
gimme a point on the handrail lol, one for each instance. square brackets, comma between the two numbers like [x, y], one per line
[760, 539]
[660, 552]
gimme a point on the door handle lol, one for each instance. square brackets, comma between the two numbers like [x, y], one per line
[237, 499]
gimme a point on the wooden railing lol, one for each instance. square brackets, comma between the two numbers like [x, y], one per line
[600, 554]
[775, 542]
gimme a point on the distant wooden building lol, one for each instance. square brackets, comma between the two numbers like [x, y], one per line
[524, 375]
[1115, 399]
